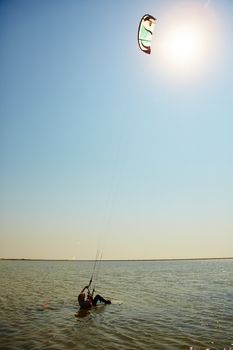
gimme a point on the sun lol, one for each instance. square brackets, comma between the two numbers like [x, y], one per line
[184, 45]
[186, 40]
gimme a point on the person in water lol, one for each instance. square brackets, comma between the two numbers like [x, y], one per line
[86, 301]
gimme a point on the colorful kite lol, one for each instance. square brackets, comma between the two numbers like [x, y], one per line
[145, 32]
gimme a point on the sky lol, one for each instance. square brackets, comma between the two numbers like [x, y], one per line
[104, 147]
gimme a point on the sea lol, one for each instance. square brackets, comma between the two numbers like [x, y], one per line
[160, 305]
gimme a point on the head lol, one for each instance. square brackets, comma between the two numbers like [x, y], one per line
[81, 297]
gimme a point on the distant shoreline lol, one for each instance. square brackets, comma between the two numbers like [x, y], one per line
[115, 260]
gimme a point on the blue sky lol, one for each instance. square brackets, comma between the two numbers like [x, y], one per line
[105, 147]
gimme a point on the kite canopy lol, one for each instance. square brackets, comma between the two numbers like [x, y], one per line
[145, 32]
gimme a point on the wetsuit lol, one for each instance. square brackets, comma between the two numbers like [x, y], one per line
[89, 302]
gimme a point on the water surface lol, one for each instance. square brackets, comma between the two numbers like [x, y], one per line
[170, 305]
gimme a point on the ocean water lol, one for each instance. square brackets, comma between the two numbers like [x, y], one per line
[159, 305]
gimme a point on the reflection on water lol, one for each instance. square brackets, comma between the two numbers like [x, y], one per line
[160, 305]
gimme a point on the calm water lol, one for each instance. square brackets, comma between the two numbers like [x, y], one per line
[171, 305]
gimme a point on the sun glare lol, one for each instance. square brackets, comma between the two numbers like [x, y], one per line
[184, 45]
[186, 40]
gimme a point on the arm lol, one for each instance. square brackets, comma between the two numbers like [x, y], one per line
[86, 287]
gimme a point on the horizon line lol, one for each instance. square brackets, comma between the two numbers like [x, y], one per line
[91, 260]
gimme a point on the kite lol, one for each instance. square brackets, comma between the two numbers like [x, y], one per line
[145, 32]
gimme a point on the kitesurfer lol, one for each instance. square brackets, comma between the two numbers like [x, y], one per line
[86, 301]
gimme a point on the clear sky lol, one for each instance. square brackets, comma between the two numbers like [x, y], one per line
[105, 147]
